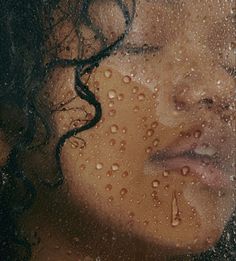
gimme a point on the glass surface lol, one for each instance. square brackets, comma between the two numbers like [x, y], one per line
[133, 153]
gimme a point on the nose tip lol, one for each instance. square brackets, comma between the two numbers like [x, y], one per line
[211, 89]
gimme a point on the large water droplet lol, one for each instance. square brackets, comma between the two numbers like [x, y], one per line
[115, 167]
[114, 128]
[165, 173]
[155, 183]
[175, 218]
[108, 73]
[99, 166]
[111, 94]
[126, 79]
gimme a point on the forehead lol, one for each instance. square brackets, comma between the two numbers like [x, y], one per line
[210, 7]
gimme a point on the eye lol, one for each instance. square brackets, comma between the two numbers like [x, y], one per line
[144, 49]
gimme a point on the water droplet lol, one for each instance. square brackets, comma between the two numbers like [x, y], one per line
[124, 130]
[141, 96]
[155, 183]
[111, 94]
[108, 187]
[125, 174]
[76, 239]
[154, 124]
[122, 149]
[110, 199]
[145, 222]
[150, 132]
[154, 195]
[166, 187]
[122, 143]
[156, 89]
[114, 128]
[197, 134]
[108, 73]
[175, 218]
[115, 167]
[185, 170]
[155, 142]
[112, 142]
[165, 173]
[82, 167]
[148, 150]
[144, 119]
[112, 112]
[111, 104]
[136, 109]
[109, 173]
[154, 96]
[135, 89]
[126, 79]
[120, 97]
[99, 166]
[123, 191]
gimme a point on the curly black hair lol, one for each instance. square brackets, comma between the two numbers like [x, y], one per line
[23, 34]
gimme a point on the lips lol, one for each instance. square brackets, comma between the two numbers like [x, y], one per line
[210, 157]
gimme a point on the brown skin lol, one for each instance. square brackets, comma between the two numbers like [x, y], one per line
[109, 205]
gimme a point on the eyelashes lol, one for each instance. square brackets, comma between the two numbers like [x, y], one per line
[145, 49]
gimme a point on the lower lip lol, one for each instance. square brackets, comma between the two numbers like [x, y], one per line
[207, 174]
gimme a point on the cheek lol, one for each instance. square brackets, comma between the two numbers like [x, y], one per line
[107, 167]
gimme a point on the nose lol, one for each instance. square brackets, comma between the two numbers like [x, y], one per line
[196, 87]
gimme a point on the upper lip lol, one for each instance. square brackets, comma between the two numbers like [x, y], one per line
[220, 141]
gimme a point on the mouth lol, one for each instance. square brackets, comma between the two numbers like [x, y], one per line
[198, 158]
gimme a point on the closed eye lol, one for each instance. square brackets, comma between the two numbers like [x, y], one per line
[145, 49]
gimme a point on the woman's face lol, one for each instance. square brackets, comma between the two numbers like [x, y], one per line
[161, 162]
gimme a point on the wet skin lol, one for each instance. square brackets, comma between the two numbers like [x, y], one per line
[151, 101]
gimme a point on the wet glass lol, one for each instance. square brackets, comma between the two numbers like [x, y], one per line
[139, 97]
